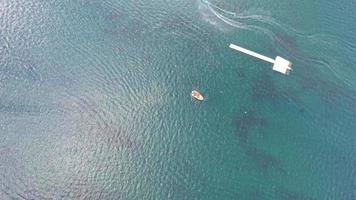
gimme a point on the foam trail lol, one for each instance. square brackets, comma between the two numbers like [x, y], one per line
[217, 7]
[249, 18]
[268, 26]
[229, 21]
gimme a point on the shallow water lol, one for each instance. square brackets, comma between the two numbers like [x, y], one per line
[95, 100]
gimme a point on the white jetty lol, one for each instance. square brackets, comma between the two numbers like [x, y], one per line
[279, 64]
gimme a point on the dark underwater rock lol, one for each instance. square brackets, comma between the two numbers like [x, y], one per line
[265, 162]
[284, 194]
[246, 123]
[264, 89]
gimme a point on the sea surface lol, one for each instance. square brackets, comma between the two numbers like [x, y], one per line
[95, 100]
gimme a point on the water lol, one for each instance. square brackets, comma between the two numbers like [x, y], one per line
[95, 100]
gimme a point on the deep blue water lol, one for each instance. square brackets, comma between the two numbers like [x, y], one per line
[95, 100]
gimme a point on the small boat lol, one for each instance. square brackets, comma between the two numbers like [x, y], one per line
[197, 95]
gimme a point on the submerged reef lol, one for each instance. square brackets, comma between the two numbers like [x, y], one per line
[265, 162]
[20, 108]
[246, 123]
[287, 42]
[117, 139]
[285, 194]
[264, 89]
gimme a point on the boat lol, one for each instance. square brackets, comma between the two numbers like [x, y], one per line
[196, 95]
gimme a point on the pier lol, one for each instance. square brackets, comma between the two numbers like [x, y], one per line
[280, 64]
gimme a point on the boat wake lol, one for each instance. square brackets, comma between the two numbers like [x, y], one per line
[287, 40]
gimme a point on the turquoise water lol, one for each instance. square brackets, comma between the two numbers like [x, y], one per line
[95, 100]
